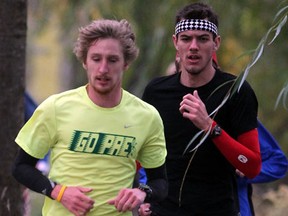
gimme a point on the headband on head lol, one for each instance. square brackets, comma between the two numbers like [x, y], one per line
[196, 24]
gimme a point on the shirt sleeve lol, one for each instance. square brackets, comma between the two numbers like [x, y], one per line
[153, 153]
[38, 134]
[274, 161]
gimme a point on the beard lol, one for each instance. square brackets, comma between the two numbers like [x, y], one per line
[102, 91]
[194, 70]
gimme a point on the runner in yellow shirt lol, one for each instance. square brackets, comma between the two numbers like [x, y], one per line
[95, 134]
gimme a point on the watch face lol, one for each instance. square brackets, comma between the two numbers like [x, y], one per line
[145, 188]
[216, 131]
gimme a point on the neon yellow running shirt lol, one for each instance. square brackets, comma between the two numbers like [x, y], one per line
[92, 146]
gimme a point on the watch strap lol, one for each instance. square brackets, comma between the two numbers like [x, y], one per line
[147, 189]
[216, 131]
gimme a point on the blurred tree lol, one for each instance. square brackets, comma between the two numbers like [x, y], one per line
[12, 57]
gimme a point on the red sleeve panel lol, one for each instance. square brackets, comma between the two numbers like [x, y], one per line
[138, 166]
[243, 153]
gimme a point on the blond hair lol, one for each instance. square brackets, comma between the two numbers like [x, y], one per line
[105, 28]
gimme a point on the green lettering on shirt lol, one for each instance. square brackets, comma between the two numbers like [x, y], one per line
[101, 143]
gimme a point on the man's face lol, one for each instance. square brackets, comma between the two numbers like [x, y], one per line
[105, 65]
[195, 49]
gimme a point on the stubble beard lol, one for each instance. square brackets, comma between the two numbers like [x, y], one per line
[100, 91]
[194, 71]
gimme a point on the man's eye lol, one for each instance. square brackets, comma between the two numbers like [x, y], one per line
[204, 39]
[185, 39]
[113, 60]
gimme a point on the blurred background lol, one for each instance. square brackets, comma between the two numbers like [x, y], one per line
[52, 67]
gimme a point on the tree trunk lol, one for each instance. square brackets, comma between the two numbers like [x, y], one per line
[13, 27]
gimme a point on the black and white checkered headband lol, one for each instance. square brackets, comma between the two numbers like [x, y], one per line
[196, 24]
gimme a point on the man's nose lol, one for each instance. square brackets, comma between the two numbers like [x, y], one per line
[194, 45]
[103, 67]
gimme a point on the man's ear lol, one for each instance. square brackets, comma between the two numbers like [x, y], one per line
[174, 38]
[84, 66]
[126, 66]
[217, 42]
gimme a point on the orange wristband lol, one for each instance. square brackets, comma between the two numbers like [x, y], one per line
[60, 195]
